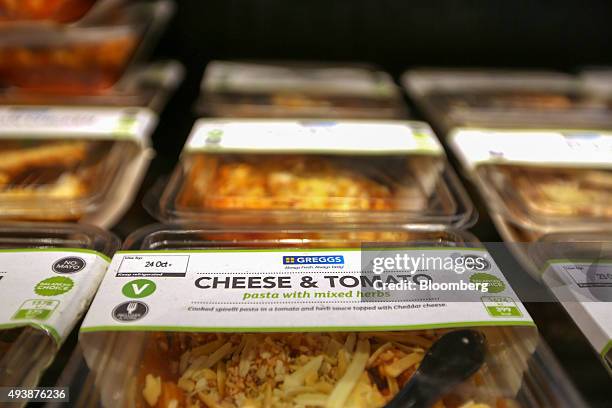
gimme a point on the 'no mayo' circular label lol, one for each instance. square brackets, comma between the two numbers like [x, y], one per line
[69, 264]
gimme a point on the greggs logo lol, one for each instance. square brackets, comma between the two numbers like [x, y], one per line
[313, 260]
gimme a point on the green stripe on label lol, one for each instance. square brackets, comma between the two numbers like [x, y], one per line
[54, 334]
[307, 328]
[607, 362]
[606, 349]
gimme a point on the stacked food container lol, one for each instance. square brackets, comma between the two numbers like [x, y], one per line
[199, 338]
[312, 249]
[538, 148]
[77, 109]
[321, 172]
[263, 160]
[78, 106]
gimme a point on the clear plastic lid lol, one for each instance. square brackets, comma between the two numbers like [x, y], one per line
[551, 198]
[511, 232]
[316, 368]
[69, 164]
[147, 86]
[92, 56]
[199, 236]
[595, 246]
[520, 240]
[498, 98]
[314, 172]
[26, 351]
[263, 89]
[60, 11]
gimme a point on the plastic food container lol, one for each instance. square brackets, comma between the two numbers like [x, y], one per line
[147, 86]
[532, 144]
[61, 11]
[91, 57]
[314, 172]
[541, 180]
[72, 164]
[49, 275]
[577, 269]
[306, 90]
[473, 98]
[285, 356]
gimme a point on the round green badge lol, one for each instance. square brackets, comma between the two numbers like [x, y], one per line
[139, 288]
[57, 285]
[494, 284]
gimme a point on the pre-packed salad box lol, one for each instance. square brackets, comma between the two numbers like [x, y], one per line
[322, 172]
[49, 275]
[72, 163]
[193, 316]
[75, 58]
[261, 89]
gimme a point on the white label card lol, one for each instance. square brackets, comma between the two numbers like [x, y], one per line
[313, 136]
[294, 289]
[48, 288]
[78, 122]
[535, 147]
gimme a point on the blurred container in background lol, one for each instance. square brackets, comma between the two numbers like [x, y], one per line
[88, 56]
[261, 89]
